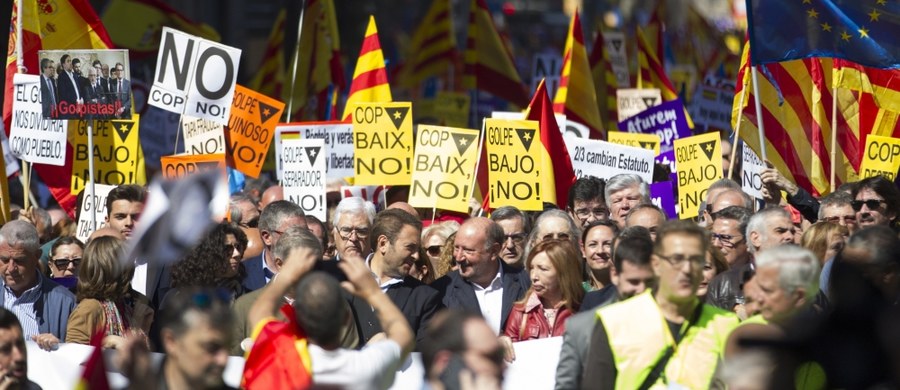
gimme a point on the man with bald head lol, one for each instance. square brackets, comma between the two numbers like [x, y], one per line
[483, 284]
[727, 198]
[271, 194]
[405, 207]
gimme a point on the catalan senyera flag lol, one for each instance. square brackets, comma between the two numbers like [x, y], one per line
[59, 24]
[370, 82]
[137, 25]
[488, 62]
[319, 63]
[557, 174]
[576, 96]
[869, 102]
[651, 73]
[605, 83]
[94, 375]
[279, 358]
[432, 51]
[269, 78]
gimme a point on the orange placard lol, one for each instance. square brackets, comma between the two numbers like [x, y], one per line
[251, 128]
[181, 165]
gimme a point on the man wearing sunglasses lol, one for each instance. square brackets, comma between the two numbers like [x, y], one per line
[876, 201]
[836, 208]
[274, 220]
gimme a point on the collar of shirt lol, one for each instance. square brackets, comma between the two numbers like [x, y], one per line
[265, 264]
[385, 284]
[496, 284]
[30, 295]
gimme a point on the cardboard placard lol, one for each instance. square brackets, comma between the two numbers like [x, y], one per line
[604, 160]
[251, 129]
[699, 163]
[618, 58]
[630, 101]
[751, 181]
[382, 143]
[444, 168]
[95, 206]
[181, 165]
[79, 89]
[452, 108]
[202, 136]
[514, 159]
[32, 137]
[881, 157]
[117, 155]
[338, 137]
[635, 140]
[303, 176]
[666, 120]
[662, 196]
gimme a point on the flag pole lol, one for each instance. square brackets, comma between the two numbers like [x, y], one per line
[25, 177]
[759, 118]
[737, 130]
[290, 105]
[834, 130]
[90, 187]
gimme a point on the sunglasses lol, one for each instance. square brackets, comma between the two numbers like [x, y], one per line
[434, 250]
[872, 204]
[64, 263]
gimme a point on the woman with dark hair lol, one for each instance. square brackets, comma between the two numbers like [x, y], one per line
[105, 298]
[65, 258]
[214, 262]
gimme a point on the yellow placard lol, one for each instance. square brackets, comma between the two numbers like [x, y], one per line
[444, 168]
[118, 158]
[382, 143]
[881, 157]
[181, 165]
[452, 108]
[637, 140]
[698, 162]
[514, 158]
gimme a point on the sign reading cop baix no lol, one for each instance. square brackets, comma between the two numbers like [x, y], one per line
[382, 143]
[444, 168]
[514, 163]
[698, 161]
[881, 157]
[194, 76]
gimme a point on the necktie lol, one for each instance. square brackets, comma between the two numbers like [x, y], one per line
[52, 92]
[269, 274]
[119, 89]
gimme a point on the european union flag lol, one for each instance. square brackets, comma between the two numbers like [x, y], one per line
[862, 31]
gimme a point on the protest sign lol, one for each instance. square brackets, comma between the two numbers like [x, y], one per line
[699, 163]
[181, 165]
[666, 120]
[636, 140]
[604, 160]
[32, 137]
[630, 101]
[95, 207]
[303, 176]
[194, 76]
[452, 108]
[881, 157]
[444, 168]
[338, 137]
[548, 67]
[751, 179]
[426, 112]
[202, 136]
[81, 91]
[514, 160]
[117, 155]
[618, 59]
[576, 129]
[662, 196]
[712, 105]
[382, 143]
[251, 129]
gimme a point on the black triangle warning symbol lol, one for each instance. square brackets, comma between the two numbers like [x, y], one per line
[266, 112]
[617, 44]
[460, 102]
[397, 115]
[123, 128]
[708, 147]
[312, 152]
[463, 141]
[526, 136]
[647, 145]
[649, 101]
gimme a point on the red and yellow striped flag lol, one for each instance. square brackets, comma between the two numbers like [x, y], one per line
[576, 96]
[557, 174]
[652, 75]
[370, 82]
[433, 47]
[605, 83]
[319, 63]
[869, 101]
[488, 62]
[59, 25]
[269, 78]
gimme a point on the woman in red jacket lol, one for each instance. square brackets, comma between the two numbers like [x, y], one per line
[555, 293]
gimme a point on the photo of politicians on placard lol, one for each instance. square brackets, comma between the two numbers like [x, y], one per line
[85, 84]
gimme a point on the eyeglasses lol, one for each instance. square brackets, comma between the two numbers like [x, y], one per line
[558, 236]
[517, 238]
[599, 212]
[251, 223]
[872, 204]
[837, 219]
[725, 239]
[346, 232]
[679, 260]
[230, 248]
[434, 250]
[64, 263]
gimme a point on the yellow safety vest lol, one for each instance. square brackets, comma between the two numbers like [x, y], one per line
[809, 375]
[639, 335]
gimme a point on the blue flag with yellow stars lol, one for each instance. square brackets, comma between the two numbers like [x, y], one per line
[862, 31]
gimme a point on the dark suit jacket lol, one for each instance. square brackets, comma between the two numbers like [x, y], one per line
[46, 99]
[94, 94]
[123, 95]
[418, 302]
[255, 278]
[458, 293]
[52, 308]
[67, 92]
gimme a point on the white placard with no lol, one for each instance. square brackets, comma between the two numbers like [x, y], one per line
[203, 136]
[31, 137]
[303, 175]
[752, 167]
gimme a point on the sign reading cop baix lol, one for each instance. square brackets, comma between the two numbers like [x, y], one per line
[194, 76]
[443, 168]
[338, 137]
[514, 162]
[251, 129]
[698, 160]
[382, 143]
[666, 120]
[32, 137]
[881, 157]
[303, 175]
[180, 165]
[604, 160]
[117, 155]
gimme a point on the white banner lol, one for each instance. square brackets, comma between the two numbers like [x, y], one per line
[604, 160]
[31, 137]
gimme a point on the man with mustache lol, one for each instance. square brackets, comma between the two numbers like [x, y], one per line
[683, 349]
[875, 201]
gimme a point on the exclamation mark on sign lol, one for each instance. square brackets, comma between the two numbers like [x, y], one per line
[537, 190]
[221, 144]
[465, 192]
[321, 202]
[259, 159]
[408, 164]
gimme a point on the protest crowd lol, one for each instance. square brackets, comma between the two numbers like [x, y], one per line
[546, 249]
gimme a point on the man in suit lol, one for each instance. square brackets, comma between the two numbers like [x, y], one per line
[93, 91]
[395, 239]
[49, 96]
[122, 88]
[69, 87]
[277, 217]
[483, 283]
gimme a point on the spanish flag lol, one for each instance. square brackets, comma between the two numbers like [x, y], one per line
[370, 82]
[576, 96]
[605, 83]
[488, 62]
[651, 73]
[94, 375]
[279, 358]
[557, 174]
